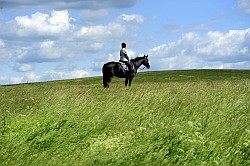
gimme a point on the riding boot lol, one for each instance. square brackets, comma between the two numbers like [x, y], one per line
[131, 73]
[130, 69]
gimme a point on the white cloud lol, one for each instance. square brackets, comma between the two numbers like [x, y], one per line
[233, 46]
[23, 67]
[40, 24]
[121, 27]
[5, 56]
[46, 76]
[38, 52]
[2, 44]
[180, 62]
[196, 51]
[54, 37]
[12, 80]
[47, 44]
[48, 50]
[93, 32]
[54, 75]
[237, 65]
[133, 17]
[244, 5]
[76, 74]
[3, 79]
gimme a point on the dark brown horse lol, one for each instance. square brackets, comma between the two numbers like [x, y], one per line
[112, 69]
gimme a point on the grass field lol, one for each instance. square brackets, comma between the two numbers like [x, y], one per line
[193, 117]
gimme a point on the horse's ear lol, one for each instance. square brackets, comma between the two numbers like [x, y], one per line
[146, 56]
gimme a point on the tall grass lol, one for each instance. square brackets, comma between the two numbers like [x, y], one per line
[198, 117]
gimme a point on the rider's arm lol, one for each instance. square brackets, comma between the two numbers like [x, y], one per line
[126, 54]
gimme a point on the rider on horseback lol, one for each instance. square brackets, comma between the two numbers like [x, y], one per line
[125, 59]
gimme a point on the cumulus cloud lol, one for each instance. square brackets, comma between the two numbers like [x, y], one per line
[134, 17]
[244, 5]
[46, 76]
[52, 37]
[233, 46]
[4, 53]
[40, 24]
[54, 75]
[39, 51]
[56, 37]
[23, 67]
[237, 65]
[198, 51]
[2, 44]
[48, 50]
[66, 4]
[122, 26]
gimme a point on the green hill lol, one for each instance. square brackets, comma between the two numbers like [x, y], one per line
[193, 117]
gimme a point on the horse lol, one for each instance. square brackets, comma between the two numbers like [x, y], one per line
[112, 69]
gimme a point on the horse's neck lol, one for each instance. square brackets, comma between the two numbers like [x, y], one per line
[137, 63]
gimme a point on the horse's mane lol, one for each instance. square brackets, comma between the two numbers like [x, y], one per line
[137, 58]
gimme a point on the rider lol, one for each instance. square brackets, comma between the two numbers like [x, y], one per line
[125, 59]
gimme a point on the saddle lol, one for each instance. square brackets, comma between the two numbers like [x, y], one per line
[124, 66]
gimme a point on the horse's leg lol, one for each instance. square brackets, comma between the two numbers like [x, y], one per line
[130, 81]
[126, 81]
[106, 81]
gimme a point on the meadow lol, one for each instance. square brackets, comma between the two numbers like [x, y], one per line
[191, 117]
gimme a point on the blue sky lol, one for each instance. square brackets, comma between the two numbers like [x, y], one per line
[61, 39]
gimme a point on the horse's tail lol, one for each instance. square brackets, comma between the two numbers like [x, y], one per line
[105, 77]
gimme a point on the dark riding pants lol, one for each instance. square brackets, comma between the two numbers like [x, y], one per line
[130, 67]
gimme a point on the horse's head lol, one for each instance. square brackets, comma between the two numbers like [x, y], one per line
[145, 61]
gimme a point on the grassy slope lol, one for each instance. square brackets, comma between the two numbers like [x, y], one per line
[196, 117]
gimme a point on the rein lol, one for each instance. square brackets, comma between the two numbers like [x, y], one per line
[142, 68]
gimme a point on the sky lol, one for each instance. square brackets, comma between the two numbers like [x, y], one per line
[61, 39]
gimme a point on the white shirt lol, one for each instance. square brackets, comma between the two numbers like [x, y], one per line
[124, 55]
